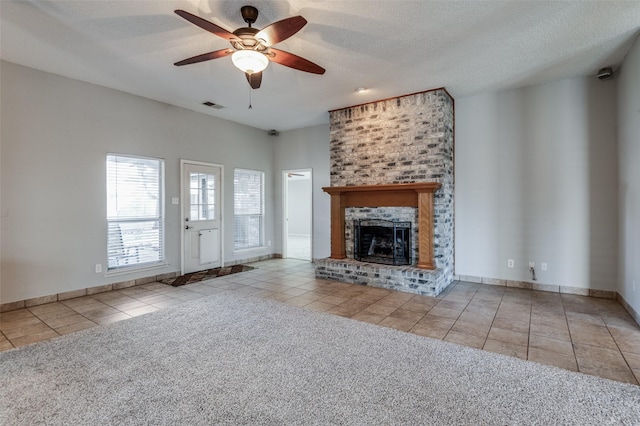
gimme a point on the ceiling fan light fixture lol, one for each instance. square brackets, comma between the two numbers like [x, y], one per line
[249, 61]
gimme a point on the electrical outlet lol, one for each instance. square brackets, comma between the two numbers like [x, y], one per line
[98, 268]
[269, 243]
[543, 266]
[532, 265]
[510, 263]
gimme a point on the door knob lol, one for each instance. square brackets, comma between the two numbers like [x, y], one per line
[188, 227]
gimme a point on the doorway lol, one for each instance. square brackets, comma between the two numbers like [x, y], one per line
[201, 216]
[297, 214]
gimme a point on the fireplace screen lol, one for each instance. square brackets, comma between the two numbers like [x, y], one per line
[382, 241]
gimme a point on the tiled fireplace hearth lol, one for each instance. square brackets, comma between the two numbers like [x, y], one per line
[393, 160]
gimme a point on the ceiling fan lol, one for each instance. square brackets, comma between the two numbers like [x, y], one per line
[252, 48]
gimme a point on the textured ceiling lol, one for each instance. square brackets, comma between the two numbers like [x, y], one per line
[391, 47]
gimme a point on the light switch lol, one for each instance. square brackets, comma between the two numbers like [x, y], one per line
[175, 200]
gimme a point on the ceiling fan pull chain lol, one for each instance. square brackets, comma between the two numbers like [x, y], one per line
[250, 107]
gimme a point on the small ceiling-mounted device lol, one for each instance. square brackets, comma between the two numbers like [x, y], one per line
[605, 73]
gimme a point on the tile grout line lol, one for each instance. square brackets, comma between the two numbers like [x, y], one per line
[573, 347]
[44, 322]
[494, 317]
[7, 339]
[38, 318]
[619, 349]
[494, 320]
[458, 317]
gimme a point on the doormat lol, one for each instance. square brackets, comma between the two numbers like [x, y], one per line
[207, 274]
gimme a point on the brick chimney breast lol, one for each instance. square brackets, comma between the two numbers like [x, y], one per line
[408, 139]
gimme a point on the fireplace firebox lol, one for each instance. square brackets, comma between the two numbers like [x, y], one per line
[382, 241]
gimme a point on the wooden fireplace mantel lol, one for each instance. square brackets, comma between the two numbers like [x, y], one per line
[419, 195]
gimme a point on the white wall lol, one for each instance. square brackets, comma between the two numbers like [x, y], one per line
[306, 148]
[629, 185]
[55, 135]
[535, 180]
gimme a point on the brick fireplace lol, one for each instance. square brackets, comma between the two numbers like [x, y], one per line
[393, 160]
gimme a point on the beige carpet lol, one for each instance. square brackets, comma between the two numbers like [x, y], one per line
[233, 359]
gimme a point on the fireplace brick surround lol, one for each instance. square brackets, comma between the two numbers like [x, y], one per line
[394, 144]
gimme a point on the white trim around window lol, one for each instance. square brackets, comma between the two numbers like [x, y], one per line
[135, 213]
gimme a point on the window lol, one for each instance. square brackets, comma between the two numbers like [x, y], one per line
[135, 192]
[202, 190]
[248, 208]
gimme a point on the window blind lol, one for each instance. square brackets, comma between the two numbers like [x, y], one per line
[135, 192]
[248, 208]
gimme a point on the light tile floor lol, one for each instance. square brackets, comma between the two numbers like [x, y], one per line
[589, 335]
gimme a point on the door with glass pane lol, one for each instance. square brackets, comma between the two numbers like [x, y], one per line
[201, 217]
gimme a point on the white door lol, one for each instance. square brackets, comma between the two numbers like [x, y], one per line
[201, 216]
[297, 208]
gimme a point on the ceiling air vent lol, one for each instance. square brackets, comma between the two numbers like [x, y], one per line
[212, 105]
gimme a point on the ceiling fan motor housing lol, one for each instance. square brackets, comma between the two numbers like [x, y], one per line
[249, 14]
[247, 40]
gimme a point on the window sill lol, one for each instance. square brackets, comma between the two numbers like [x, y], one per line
[250, 250]
[132, 269]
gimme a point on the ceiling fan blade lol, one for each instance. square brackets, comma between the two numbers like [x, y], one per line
[207, 25]
[205, 57]
[281, 30]
[254, 79]
[294, 61]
